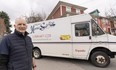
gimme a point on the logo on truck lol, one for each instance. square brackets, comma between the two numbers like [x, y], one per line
[65, 37]
[41, 26]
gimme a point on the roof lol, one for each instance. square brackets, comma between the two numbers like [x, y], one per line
[94, 16]
[95, 11]
[67, 4]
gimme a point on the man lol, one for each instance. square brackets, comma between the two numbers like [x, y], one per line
[16, 49]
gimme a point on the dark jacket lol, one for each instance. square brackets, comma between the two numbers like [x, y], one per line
[19, 51]
[3, 61]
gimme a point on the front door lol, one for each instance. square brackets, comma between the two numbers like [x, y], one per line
[81, 39]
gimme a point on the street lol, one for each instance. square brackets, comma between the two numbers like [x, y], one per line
[53, 63]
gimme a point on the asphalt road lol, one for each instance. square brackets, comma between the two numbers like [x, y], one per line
[53, 63]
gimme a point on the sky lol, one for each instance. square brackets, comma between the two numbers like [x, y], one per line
[21, 8]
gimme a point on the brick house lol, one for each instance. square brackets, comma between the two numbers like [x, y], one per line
[63, 9]
[105, 23]
[113, 26]
[2, 27]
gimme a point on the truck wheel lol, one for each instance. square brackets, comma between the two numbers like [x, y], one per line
[36, 53]
[100, 59]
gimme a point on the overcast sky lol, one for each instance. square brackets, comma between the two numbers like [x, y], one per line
[18, 8]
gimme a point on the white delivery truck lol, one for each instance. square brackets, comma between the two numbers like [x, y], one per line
[78, 37]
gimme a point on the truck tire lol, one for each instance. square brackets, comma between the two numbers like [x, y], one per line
[100, 59]
[36, 53]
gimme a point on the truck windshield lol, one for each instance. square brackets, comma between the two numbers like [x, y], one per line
[96, 30]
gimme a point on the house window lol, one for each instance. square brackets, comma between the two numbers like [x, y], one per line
[105, 21]
[68, 9]
[78, 11]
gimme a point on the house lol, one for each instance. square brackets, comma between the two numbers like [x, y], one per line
[113, 21]
[63, 9]
[2, 27]
[107, 24]
[104, 22]
[95, 12]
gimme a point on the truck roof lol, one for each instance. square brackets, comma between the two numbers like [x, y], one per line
[74, 18]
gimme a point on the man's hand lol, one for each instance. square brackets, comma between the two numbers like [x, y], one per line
[34, 65]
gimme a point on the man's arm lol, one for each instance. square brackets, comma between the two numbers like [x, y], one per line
[4, 53]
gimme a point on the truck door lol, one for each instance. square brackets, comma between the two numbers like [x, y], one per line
[99, 38]
[81, 39]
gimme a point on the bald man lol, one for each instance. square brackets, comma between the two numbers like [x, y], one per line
[16, 49]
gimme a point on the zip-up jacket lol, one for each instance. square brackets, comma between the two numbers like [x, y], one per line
[19, 50]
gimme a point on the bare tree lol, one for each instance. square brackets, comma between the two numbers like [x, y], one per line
[111, 14]
[35, 17]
